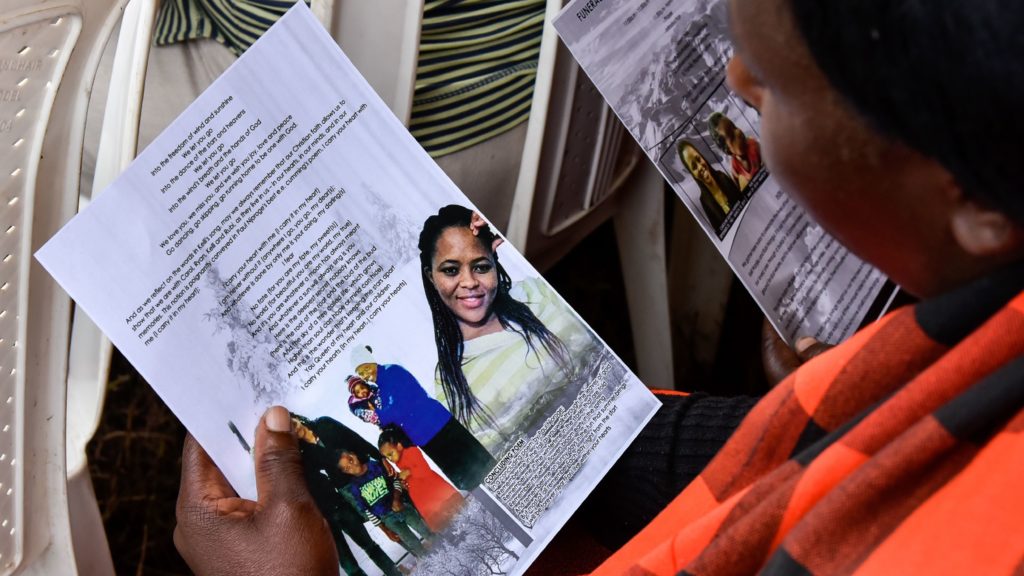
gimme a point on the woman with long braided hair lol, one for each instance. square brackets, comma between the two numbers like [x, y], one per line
[498, 362]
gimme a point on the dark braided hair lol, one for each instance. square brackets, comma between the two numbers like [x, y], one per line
[713, 121]
[392, 434]
[302, 420]
[512, 314]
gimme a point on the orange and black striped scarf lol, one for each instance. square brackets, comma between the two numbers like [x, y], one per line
[900, 451]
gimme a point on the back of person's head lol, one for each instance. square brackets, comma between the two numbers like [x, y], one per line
[945, 78]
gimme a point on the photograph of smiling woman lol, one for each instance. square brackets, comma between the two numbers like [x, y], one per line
[719, 194]
[493, 308]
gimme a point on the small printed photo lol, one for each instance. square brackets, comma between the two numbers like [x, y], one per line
[718, 193]
[742, 151]
[509, 351]
[714, 160]
[357, 491]
[389, 397]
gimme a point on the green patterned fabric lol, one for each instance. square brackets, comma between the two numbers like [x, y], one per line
[234, 23]
[476, 69]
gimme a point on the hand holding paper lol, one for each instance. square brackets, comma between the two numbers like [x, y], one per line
[280, 533]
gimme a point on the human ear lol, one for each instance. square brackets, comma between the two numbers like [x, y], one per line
[743, 83]
[982, 231]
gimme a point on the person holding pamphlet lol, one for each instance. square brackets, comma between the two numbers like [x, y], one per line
[878, 117]
[872, 455]
[252, 246]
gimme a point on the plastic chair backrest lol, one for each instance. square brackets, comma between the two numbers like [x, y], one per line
[48, 56]
[89, 361]
[575, 158]
[382, 38]
[90, 350]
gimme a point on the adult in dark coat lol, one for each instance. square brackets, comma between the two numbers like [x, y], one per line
[318, 440]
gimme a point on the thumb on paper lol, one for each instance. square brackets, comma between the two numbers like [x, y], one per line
[279, 475]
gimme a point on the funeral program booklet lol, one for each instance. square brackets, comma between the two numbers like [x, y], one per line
[286, 241]
[661, 66]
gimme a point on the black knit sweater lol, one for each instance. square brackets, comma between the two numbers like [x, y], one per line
[671, 451]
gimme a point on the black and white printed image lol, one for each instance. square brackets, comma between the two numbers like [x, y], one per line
[715, 161]
[655, 85]
[407, 453]
[260, 346]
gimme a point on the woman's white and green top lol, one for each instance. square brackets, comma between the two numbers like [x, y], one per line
[515, 383]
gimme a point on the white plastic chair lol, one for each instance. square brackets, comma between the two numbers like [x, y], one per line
[49, 52]
[90, 350]
[382, 38]
[579, 168]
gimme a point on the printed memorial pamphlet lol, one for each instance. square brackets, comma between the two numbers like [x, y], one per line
[286, 241]
[661, 66]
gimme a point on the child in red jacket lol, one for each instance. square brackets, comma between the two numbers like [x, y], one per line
[435, 498]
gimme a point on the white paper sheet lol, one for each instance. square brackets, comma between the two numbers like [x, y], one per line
[270, 234]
